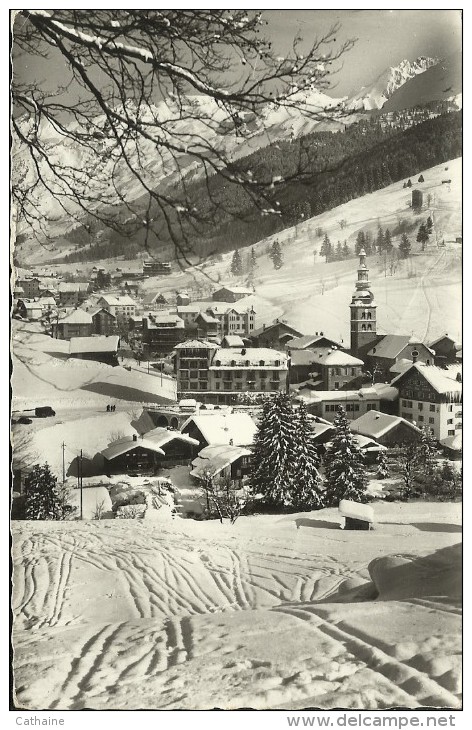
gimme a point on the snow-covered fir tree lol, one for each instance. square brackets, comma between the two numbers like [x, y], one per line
[307, 484]
[344, 465]
[276, 255]
[44, 498]
[382, 465]
[236, 264]
[275, 452]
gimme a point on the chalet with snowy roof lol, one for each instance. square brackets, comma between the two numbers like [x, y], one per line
[336, 370]
[391, 349]
[162, 331]
[386, 429]
[274, 335]
[155, 300]
[72, 294]
[318, 341]
[232, 341]
[207, 326]
[432, 397]
[445, 349]
[33, 310]
[100, 348]
[182, 298]
[189, 313]
[30, 285]
[122, 307]
[215, 429]
[223, 462]
[237, 319]
[326, 403]
[76, 323]
[231, 293]
[103, 321]
[160, 448]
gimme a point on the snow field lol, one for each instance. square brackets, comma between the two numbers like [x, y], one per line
[271, 612]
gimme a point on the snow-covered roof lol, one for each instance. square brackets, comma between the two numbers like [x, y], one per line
[124, 445]
[442, 381]
[164, 318]
[194, 345]
[321, 396]
[251, 357]
[401, 365]
[118, 301]
[233, 341]
[74, 286]
[77, 316]
[442, 337]
[268, 327]
[234, 290]
[390, 346]
[162, 436]
[45, 301]
[208, 318]
[453, 442]
[376, 424]
[188, 308]
[214, 459]
[337, 357]
[95, 310]
[386, 391]
[99, 343]
[301, 343]
[303, 357]
[217, 428]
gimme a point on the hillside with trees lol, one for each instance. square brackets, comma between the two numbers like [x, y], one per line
[314, 174]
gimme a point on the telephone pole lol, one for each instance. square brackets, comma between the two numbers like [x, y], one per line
[63, 463]
[81, 486]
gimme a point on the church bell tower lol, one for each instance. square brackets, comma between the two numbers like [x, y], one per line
[363, 312]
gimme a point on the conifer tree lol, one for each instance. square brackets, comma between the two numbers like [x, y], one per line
[44, 498]
[422, 236]
[382, 465]
[429, 225]
[339, 251]
[307, 484]
[236, 264]
[346, 250]
[326, 248]
[360, 242]
[276, 255]
[421, 179]
[405, 246]
[368, 245]
[427, 453]
[380, 242]
[388, 245]
[408, 184]
[344, 465]
[275, 452]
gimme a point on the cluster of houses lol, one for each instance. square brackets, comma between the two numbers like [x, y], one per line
[390, 385]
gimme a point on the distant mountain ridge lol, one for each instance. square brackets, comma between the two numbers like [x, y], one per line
[376, 94]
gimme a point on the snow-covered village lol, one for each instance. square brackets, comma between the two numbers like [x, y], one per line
[236, 346]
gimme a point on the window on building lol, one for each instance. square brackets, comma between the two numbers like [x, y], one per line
[449, 408]
[432, 407]
[227, 385]
[369, 327]
[421, 419]
[370, 406]
[420, 406]
[217, 385]
[193, 385]
[356, 406]
[450, 420]
[458, 426]
[363, 327]
[431, 420]
[369, 315]
[336, 385]
[451, 432]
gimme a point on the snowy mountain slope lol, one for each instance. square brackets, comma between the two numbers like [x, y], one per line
[376, 94]
[441, 82]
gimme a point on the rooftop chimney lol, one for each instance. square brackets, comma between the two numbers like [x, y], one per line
[135, 436]
[414, 355]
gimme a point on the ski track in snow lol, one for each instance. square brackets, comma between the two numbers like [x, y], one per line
[112, 617]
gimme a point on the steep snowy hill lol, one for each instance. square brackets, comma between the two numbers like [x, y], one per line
[375, 94]
[441, 82]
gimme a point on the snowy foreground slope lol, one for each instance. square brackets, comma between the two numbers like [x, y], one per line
[274, 612]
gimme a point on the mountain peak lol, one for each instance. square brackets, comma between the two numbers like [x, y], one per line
[375, 94]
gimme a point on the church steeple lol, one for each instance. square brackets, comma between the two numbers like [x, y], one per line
[363, 311]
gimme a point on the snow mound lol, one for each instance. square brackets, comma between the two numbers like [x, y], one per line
[410, 576]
